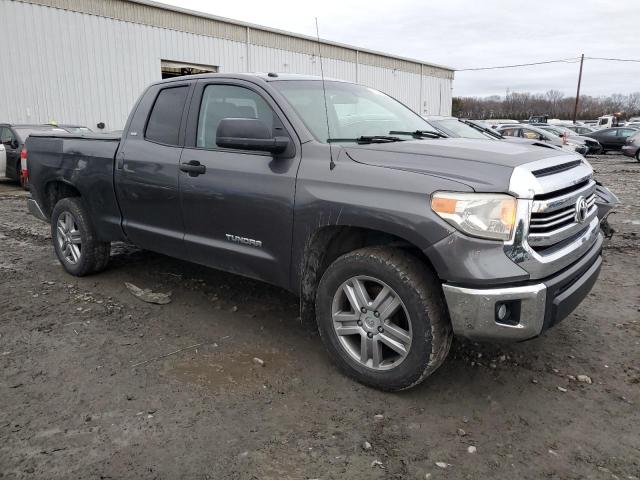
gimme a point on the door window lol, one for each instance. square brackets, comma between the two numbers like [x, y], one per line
[531, 135]
[626, 132]
[509, 132]
[6, 137]
[230, 101]
[166, 115]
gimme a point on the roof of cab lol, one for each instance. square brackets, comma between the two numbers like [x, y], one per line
[252, 77]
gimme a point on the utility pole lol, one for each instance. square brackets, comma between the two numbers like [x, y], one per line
[575, 108]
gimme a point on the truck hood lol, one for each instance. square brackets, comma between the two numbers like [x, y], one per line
[483, 165]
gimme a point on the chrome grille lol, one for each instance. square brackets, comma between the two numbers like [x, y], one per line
[553, 216]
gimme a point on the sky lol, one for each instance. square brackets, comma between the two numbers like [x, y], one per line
[473, 33]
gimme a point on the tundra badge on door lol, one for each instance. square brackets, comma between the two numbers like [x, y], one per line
[244, 240]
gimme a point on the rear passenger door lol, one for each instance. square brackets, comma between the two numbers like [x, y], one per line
[623, 134]
[238, 213]
[146, 173]
[608, 138]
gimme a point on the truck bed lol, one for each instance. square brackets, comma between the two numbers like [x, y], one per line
[83, 163]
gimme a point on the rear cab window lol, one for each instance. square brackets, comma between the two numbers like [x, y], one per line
[165, 118]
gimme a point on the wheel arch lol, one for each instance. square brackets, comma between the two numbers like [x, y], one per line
[330, 242]
[54, 191]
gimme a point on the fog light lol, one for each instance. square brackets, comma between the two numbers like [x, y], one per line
[507, 312]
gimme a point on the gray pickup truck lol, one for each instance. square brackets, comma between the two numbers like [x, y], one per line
[394, 238]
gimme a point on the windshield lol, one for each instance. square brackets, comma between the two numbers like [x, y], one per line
[354, 110]
[455, 128]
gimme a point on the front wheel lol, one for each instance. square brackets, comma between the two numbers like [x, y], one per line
[74, 239]
[638, 155]
[382, 317]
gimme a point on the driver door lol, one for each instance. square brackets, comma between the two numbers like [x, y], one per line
[238, 209]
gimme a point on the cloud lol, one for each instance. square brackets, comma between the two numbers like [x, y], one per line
[472, 33]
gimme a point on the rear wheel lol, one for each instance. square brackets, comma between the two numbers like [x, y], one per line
[74, 239]
[638, 155]
[382, 317]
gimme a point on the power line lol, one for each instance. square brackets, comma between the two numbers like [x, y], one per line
[564, 60]
[614, 59]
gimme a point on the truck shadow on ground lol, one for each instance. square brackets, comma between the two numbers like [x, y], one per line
[275, 313]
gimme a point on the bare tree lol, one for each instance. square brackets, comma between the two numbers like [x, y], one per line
[521, 105]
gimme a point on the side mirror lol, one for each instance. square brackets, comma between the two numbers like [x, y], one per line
[249, 134]
[14, 144]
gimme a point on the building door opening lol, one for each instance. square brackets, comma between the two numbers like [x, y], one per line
[171, 69]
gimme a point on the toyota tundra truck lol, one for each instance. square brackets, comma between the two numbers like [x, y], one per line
[394, 238]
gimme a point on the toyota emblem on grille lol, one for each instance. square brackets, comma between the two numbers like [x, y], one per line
[582, 209]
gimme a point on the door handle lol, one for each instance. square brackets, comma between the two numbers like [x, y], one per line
[193, 168]
[120, 161]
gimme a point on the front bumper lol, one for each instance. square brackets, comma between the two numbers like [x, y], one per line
[533, 308]
[582, 149]
[630, 150]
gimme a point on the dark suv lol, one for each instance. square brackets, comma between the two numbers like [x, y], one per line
[13, 138]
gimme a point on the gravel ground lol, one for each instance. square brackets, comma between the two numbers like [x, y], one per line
[86, 393]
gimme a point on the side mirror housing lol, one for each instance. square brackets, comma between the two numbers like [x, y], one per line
[14, 144]
[249, 134]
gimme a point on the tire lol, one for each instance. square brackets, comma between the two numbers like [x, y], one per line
[74, 239]
[421, 315]
[638, 155]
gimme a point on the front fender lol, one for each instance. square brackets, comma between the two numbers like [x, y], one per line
[390, 201]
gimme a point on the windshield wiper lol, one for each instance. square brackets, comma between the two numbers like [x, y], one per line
[420, 134]
[367, 139]
[484, 130]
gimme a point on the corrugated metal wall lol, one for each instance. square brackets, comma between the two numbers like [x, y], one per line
[75, 67]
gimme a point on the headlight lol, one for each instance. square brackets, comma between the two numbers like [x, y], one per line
[484, 215]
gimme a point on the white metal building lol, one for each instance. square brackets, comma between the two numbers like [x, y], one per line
[87, 61]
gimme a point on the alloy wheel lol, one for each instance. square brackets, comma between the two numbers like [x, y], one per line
[69, 238]
[371, 322]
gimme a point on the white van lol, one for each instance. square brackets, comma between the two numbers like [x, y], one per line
[607, 121]
[3, 162]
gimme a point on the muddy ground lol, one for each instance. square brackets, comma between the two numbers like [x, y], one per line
[77, 401]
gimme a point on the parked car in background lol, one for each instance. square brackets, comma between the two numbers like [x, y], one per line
[580, 129]
[13, 138]
[3, 162]
[76, 129]
[535, 119]
[632, 124]
[496, 122]
[594, 146]
[534, 133]
[454, 127]
[607, 121]
[613, 138]
[631, 147]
